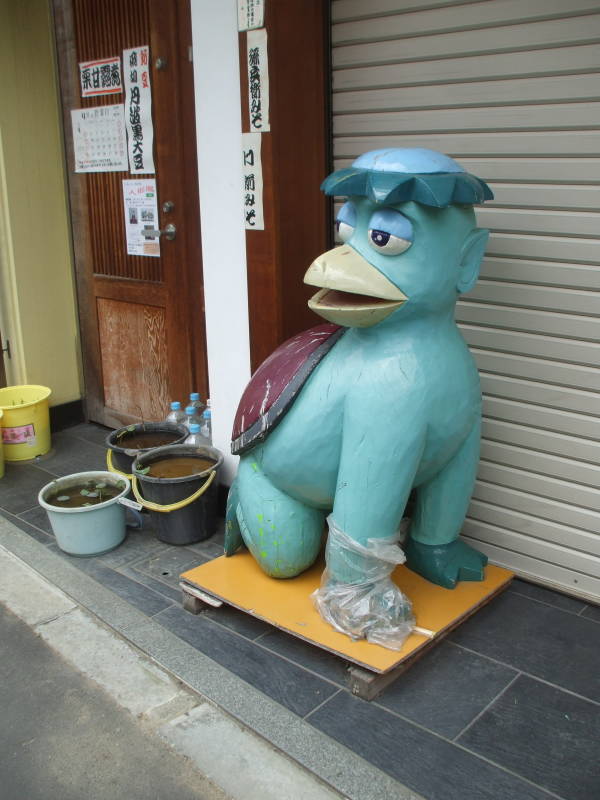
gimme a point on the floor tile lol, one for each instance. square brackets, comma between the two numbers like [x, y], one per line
[90, 432]
[140, 596]
[31, 530]
[592, 612]
[544, 734]
[544, 595]
[138, 544]
[157, 586]
[244, 624]
[168, 564]
[546, 642]
[213, 546]
[143, 598]
[286, 683]
[70, 455]
[307, 655]
[20, 486]
[429, 765]
[446, 689]
[208, 549]
[39, 518]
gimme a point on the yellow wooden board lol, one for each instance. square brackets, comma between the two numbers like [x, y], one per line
[240, 582]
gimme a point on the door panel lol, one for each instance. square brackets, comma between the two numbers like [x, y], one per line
[134, 357]
[141, 318]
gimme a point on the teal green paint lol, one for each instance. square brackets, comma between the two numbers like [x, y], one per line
[445, 564]
[392, 407]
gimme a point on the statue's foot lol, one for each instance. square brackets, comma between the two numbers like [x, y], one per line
[445, 564]
[378, 611]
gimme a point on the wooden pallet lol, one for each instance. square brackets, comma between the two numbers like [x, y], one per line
[286, 604]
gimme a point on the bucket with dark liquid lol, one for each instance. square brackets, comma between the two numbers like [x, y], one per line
[178, 485]
[126, 444]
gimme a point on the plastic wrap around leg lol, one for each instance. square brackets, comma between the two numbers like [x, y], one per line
[371, 607]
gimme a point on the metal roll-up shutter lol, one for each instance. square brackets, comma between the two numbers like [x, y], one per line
[511, 89]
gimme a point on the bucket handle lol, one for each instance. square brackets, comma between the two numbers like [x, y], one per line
[112, 468]
[173, 506]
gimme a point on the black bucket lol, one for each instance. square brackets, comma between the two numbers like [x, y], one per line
[196, 519]
[120, 459]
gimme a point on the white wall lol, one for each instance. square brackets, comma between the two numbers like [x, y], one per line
[218, 125]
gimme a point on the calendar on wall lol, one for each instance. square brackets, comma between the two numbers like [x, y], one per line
[99, 139]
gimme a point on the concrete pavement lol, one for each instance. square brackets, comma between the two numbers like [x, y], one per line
[86, 715]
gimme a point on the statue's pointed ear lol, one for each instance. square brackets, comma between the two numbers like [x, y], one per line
[471, 255]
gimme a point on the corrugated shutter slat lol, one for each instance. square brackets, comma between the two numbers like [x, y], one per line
[512, 90]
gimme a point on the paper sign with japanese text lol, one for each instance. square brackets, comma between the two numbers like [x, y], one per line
[141, 213]
[258, 80]
[253, 182]
[251, 14]
[99, 141]
[100, 77]
[138, 109]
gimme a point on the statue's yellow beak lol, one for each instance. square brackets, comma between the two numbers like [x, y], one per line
[353, 293]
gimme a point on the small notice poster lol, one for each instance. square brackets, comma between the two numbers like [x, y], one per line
[138, 109]
[141, 213]
[100, 77]
[251, 14]
[253, 182]
[258, 80]
[99, 141]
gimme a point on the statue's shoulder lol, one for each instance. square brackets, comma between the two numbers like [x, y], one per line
[277, 382]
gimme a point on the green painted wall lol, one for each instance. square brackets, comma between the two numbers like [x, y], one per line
[38, 297]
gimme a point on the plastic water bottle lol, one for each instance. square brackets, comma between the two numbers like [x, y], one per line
[192, 417]
[207, 425]
[176, 415]
[196, 402]
[195, 438]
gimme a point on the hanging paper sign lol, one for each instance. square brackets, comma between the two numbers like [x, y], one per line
[99, 141]
[253, 182]
[141, 214]
[258, 80]
[138, 109]
[251, 14]
[100, 77]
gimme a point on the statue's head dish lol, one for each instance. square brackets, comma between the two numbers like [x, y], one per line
[410, 241]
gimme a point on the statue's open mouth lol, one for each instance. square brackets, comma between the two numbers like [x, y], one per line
[344, 275]
[332, 298]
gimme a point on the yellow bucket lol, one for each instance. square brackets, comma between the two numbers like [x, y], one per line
[1, 450]
[25, 422]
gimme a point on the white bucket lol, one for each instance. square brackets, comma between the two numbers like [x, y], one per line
[88, 530]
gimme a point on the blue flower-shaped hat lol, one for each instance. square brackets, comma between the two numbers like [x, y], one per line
[398, 175]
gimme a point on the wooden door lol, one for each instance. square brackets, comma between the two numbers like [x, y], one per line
[141, 318]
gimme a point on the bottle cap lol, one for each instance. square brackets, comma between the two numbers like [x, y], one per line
[175, 405]
[194, 396]
[190, 410]
[194, 428]
[206, 413]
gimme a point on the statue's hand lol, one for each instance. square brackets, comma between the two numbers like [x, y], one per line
[377, 611]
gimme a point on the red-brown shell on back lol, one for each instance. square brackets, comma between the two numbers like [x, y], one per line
[277, 382]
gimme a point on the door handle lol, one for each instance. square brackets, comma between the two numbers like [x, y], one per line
[168, 232]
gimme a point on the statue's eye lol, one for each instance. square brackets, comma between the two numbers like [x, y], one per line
[345, 222]
[390, 232]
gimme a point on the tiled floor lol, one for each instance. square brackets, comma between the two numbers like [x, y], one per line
[507, 707]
